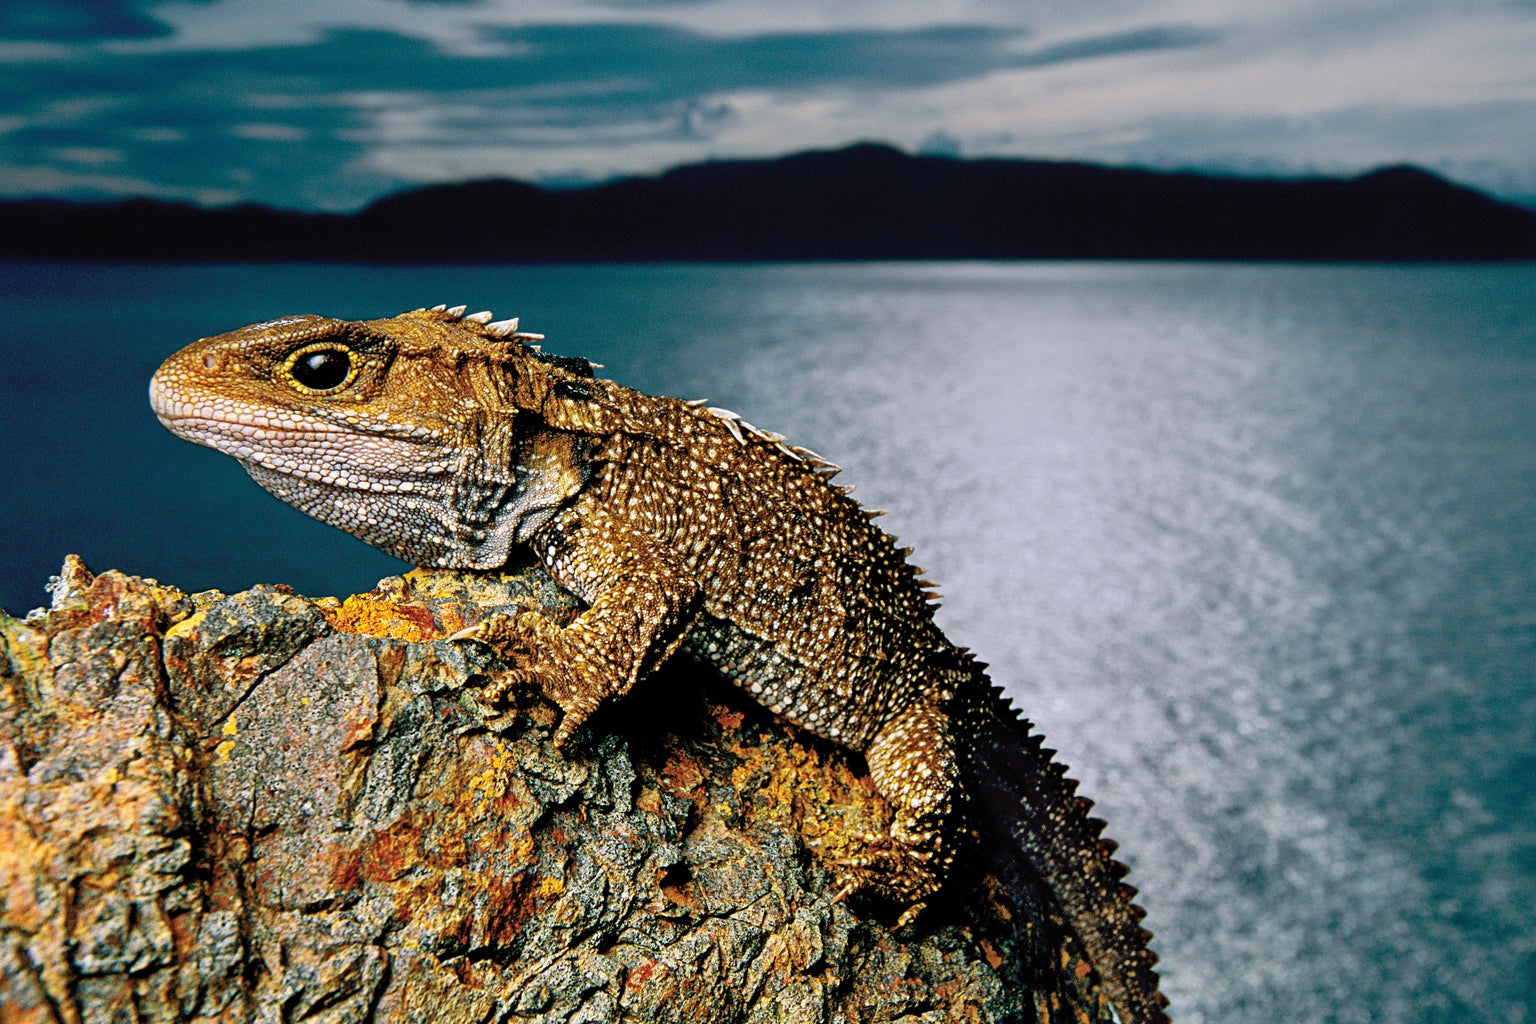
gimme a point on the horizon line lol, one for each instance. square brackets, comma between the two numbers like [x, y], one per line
[557, 183]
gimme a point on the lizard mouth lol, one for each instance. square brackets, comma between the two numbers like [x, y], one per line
[283, 450]
[180, 415]
[160, 401]
[174, 412]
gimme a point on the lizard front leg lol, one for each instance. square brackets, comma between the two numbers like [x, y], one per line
[640, 600]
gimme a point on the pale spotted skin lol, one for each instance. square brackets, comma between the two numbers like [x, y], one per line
[446, 440]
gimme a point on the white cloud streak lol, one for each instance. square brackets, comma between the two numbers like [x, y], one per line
[1298, 85]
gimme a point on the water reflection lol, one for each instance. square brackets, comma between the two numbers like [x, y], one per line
[1254, 545]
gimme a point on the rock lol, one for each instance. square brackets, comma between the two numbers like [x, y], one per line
[262, 807]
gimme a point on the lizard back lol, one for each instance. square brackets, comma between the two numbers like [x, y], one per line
[835, 644]
[447, 439]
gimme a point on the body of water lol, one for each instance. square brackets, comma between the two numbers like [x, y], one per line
[1254, 545]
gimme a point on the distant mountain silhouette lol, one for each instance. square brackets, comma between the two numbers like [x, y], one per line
[863, 202]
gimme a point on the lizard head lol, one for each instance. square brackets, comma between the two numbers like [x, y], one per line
[402, 431]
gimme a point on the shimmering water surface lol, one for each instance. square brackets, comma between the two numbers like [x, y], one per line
[1255, 545]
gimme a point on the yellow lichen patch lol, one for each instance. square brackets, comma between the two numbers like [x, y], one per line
[187, 627]
[27, 649]
[812, 790]
[491, 781]
[648, 800]
[231, 729]
[517, 848]
[373, 616]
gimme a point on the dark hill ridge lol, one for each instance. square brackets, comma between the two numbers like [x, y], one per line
[863, 202]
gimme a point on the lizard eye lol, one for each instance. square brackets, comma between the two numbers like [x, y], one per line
[322, 369]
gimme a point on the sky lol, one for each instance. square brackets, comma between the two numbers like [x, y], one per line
[326, 104]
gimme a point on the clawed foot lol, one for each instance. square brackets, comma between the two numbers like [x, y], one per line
[890, 870]
[540, 657]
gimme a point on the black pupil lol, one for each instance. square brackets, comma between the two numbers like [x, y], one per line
[322, 369]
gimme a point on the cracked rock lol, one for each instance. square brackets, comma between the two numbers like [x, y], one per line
[262, 807]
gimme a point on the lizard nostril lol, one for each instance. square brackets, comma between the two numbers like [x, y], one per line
[210, 362]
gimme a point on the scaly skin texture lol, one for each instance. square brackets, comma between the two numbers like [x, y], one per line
[446, 440]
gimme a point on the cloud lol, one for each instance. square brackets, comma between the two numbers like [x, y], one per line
[1455, 139]
[271, 119]
[55, 180]
[665, 5]
[89, 155]
[77, 20]
[269, 131]
[674, 62]
[1140, 40]
[328, 105]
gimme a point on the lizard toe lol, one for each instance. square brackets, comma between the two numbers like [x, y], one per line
[890, 870]
[475, 632]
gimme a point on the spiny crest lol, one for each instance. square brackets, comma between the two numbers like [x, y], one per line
[743, 431]
[740, 428]
[1144, 959]
[484, 324]
[487, 326]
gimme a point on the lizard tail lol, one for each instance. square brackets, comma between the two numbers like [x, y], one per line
[1029, 796]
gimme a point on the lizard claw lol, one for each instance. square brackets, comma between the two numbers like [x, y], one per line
[910, 914]
[539, 657]
[474, 632]
[855, 876]
[890, 869]
[500, 686]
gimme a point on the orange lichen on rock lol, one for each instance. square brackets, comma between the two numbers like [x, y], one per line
[809, 784]
[227, 808]
[371, 616]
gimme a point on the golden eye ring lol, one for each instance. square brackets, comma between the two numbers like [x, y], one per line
[322, 368]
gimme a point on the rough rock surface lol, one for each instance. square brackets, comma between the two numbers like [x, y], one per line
[265, 807]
